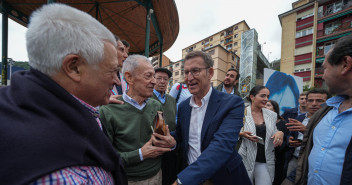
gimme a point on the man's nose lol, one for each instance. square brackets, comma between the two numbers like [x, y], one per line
[153, 81]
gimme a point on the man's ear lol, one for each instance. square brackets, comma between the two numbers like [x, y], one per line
[72, 66]
[211, 73]
[128, 78]
[346, 65]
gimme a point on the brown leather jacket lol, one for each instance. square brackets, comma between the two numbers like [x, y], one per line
[307, 145]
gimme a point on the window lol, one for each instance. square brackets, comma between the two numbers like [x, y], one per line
[331, 27]
[228, 40]
[211, 39]
[222, 41]
[211, 52]
[222, 34]
[235, 51]
[190, 49]
[203, 43]
[176, 73]
[177, 64]
[194, 46]
[228, 47]
[305, 32]
[328, 46]
[236, 35]
[236, 27]
[235, 44]
[334, 7]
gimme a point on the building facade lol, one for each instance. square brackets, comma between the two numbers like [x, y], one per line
[229, 38]
[309, 30]
[223, 60]
[224, 47]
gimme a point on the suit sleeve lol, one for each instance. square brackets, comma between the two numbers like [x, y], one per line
[221, 147]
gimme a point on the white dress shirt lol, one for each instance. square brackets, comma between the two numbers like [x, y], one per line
[195, 128]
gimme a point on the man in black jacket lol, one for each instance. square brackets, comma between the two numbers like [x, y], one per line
[49, 128]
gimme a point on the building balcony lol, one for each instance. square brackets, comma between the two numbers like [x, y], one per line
[332, 13]
[338, 30]
[228, 42]
[319, 72]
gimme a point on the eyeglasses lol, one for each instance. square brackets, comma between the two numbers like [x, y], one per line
[194, 71]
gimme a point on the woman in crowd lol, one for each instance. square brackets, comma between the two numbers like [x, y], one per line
[260, 137]
[279, 151]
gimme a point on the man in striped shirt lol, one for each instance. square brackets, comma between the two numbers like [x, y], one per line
[49, 129]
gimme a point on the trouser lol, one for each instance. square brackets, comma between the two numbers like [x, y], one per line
[261, 174]
[292, 165]
[155, 180]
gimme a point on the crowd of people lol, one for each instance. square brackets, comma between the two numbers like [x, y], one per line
[87, 113]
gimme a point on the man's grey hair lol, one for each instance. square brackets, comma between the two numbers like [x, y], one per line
[132, 62]
[57, 30]
[208, 61]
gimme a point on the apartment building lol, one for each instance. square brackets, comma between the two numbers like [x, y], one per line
[229, 38]
[223, 60]
[309, 30]
[156, 61]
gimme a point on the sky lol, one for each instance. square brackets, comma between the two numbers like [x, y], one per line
[198, 19]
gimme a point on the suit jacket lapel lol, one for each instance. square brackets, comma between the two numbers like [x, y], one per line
[213, 105]
[186, 123]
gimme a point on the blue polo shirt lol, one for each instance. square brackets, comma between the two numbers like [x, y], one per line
[161, 98]
[330, 138]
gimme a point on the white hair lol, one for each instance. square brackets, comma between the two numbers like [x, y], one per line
[57, 30]
[132, 63]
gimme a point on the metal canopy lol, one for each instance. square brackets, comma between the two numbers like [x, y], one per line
[150, 26]
[125, 18]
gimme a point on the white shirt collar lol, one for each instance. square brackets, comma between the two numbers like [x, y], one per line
[204, 100]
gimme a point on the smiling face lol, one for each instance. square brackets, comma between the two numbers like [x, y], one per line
[98, 80]
[198, 83]
[260, 99]
[143, 80]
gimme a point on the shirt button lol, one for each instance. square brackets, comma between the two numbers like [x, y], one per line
[333, 127]
[322, 149]
[315, 171]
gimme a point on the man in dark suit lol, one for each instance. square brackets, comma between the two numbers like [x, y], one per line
[207, 128]
[297, 111]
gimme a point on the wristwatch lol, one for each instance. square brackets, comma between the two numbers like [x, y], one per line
[178, 182]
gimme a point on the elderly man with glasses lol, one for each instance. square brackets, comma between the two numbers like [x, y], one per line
[168, 103]
[207, 128]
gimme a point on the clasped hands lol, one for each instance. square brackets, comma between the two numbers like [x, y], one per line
[155, 147]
